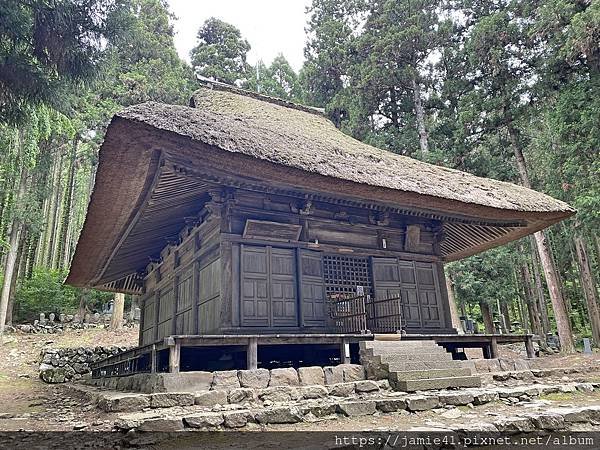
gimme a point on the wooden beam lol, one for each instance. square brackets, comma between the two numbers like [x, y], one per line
[252, 354]
[174, 356]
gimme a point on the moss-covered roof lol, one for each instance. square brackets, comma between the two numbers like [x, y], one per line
[142, 193]
[308, 141]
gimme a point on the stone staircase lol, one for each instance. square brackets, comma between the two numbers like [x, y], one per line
[415, 365]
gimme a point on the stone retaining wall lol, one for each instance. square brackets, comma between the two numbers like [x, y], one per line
[287, 404]
[59, 365]
[232, 379]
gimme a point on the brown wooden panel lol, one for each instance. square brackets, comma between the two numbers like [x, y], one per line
[429, 295]
[283, 287]
[268, 286]
[254, 295]
[313, 289]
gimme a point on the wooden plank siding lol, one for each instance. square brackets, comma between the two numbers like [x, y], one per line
[214, 279]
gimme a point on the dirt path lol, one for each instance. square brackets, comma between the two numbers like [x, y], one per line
[29, 404]
[26, 402]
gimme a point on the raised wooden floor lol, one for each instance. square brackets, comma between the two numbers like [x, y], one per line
[144, 359]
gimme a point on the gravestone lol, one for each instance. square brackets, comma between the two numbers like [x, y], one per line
[587, 346]
[42, 319]
[51, 317]
[61, 318]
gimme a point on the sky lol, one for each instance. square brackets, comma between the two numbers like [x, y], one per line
[270, 26]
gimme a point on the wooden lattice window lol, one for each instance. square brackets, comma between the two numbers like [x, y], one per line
[343, 274]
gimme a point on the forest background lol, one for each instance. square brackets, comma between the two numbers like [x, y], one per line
[505, 89]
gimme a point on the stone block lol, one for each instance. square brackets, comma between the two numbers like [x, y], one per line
[121, 403]
[341, 389]
[210, 398]
[53, 375]
[422, 402]
[225, 380]
[237, 419]
[241, 395]
[585, 387]
[352, 372]
[357, 408]
[164, 424]
[481, 398]
[204, 420]
[547, 421]
[314, 391]
[366, 386]
[311, 376]
[320, 409]
[254, 378]
[333, 374]
[276, 394]
[169, 399]
[284, 377]
[284, 414]
[456, 398]
[514, 425]
[391, 405]
[186, 381]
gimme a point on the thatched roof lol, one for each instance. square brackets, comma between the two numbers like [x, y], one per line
[282, 144]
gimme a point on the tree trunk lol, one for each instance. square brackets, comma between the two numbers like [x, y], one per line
[589, 287]
[453, 308]
[53, 226]
[539, 288]
[505, 315]
[563, 324]
[420, 117]
[486, 314]
[532, 307]
[116, 321]
[67, 210]
[14, 241]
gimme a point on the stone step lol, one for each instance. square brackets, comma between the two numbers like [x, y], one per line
[397, 344]
[404, 375]
[422, 356]
[437, 383]
[425, 365]
[403, 351]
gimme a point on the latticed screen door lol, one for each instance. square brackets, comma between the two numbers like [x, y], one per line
[343, 274]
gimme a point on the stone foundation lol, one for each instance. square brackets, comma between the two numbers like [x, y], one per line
[232, 379]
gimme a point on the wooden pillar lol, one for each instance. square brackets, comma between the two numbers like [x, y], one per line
[174, 355]
[487, 351]
[252, 354]
[153, 361]
[344, 358]
[493, 348]
[529, 346]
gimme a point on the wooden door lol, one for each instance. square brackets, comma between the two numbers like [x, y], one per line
[418, 285]
[255, 300]
[429, 295]
[410, 294]
[283, 287]
[314, 311]
[268, 287]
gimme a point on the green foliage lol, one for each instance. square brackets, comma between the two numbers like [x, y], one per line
[278, 80]
[487, 277]
[44, 292]
[48, 46]
[221, 52]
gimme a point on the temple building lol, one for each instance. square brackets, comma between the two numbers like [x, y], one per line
[244, 215]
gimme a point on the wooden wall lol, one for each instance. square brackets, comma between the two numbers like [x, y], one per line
[254, 263]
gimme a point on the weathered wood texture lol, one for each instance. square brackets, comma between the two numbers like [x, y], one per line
[276, 274]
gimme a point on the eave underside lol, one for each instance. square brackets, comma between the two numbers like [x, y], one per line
[180, 191]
